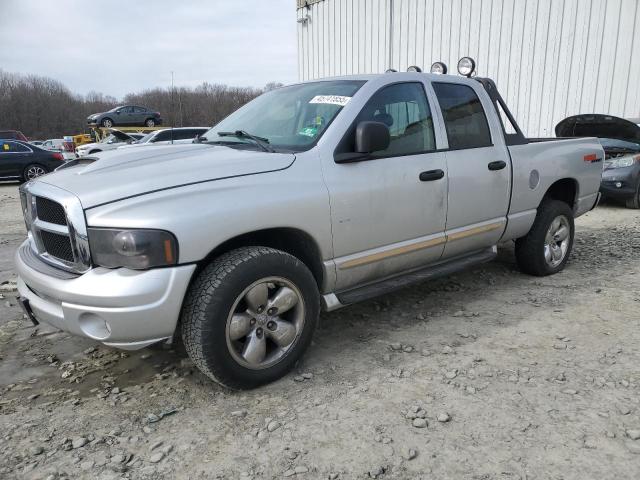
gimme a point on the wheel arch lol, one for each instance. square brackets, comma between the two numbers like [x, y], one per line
[565, 190]
[294, 241]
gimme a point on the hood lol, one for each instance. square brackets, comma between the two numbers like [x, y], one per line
[121, 135]
[601, 126]
[123, 173]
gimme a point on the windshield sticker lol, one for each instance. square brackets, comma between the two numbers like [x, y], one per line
[308, 131]
[331, 99]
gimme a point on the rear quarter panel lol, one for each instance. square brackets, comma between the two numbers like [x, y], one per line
[548, 162]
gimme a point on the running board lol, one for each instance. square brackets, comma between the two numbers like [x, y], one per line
[395, 283]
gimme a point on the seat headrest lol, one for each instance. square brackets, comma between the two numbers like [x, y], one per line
[383, 118]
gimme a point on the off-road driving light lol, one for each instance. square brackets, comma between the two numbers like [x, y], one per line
[390, 70]
[466, 66]
[414, 68]
[439, 68]
[136, 249]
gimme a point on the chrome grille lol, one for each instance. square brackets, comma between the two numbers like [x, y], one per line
[57, 245]
[50, 211]
[56, 225]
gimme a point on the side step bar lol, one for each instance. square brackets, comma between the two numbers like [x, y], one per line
[395, 283]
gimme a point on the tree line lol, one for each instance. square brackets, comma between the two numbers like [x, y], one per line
[42, 107]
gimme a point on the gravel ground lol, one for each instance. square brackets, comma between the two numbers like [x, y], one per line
[489, 374]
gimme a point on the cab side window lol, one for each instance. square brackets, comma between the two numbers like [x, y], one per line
[403, 108]
[164, 136]
[464, 117]
[12, 147]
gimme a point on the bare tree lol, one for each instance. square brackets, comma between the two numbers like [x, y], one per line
[41, 107]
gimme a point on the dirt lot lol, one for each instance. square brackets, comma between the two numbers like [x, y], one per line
[490, 374]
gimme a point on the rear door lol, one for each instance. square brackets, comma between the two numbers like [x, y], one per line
[479, 168]
[140, 114]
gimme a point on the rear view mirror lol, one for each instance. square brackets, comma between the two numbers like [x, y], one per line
[372, 137]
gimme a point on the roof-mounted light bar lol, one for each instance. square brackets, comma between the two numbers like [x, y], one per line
[466, 66]
[439, 68]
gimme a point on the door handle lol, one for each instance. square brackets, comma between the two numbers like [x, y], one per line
[497, 165]
[431, 175]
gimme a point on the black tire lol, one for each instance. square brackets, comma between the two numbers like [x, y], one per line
[104, 121]
[530, 249]
[635, 201]
[26, 175]
[95, 151]
[150, 122]
[209, 302]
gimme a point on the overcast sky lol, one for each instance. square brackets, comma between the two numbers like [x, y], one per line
[120, 46]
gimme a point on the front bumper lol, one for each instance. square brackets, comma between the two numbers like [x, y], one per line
[619, 183]
[121, 308]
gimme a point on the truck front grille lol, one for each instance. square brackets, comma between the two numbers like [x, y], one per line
[56, 225]
[57, 245]
[50, 211]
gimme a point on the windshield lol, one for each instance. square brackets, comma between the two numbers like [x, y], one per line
[108, 139]
[289, 118]
[146, 138]
[114, 109]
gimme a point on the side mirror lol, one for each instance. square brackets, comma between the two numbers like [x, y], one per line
[372, 137]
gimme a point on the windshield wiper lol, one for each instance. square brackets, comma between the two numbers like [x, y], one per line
[260, 141]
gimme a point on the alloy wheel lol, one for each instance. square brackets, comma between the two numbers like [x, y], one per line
[557, 241]
[34, 171]
[265, 322]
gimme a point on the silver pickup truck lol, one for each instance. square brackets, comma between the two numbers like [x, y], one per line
[312, 196]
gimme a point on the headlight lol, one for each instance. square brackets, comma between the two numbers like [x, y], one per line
[621, 162]
[136, 249]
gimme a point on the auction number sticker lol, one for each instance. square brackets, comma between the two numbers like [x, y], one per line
[331, 99]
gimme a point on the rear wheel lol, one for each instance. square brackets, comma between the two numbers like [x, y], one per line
[546, 248]
[106, 123]
[150, 122]
[249, 316]
[33, 171]
[635, 201]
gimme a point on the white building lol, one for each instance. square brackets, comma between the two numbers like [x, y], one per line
[549, 58]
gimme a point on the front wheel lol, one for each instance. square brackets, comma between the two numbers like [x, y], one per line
[107, 123]
[546, 248]
[249, 316]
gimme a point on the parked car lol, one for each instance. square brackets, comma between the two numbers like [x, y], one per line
[169, 136]
[22, 161]
[316, 195]
[12, 135]
[64, 146]
[620, 139]
[126, 115]
[112, 141]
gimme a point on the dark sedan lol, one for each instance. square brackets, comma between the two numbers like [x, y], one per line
[23, 161]
[131, 115]
[620, 140]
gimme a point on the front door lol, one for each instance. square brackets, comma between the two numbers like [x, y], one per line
[479, 171]
[388, 212]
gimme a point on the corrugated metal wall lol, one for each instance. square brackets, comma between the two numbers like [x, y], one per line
[550, 58]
